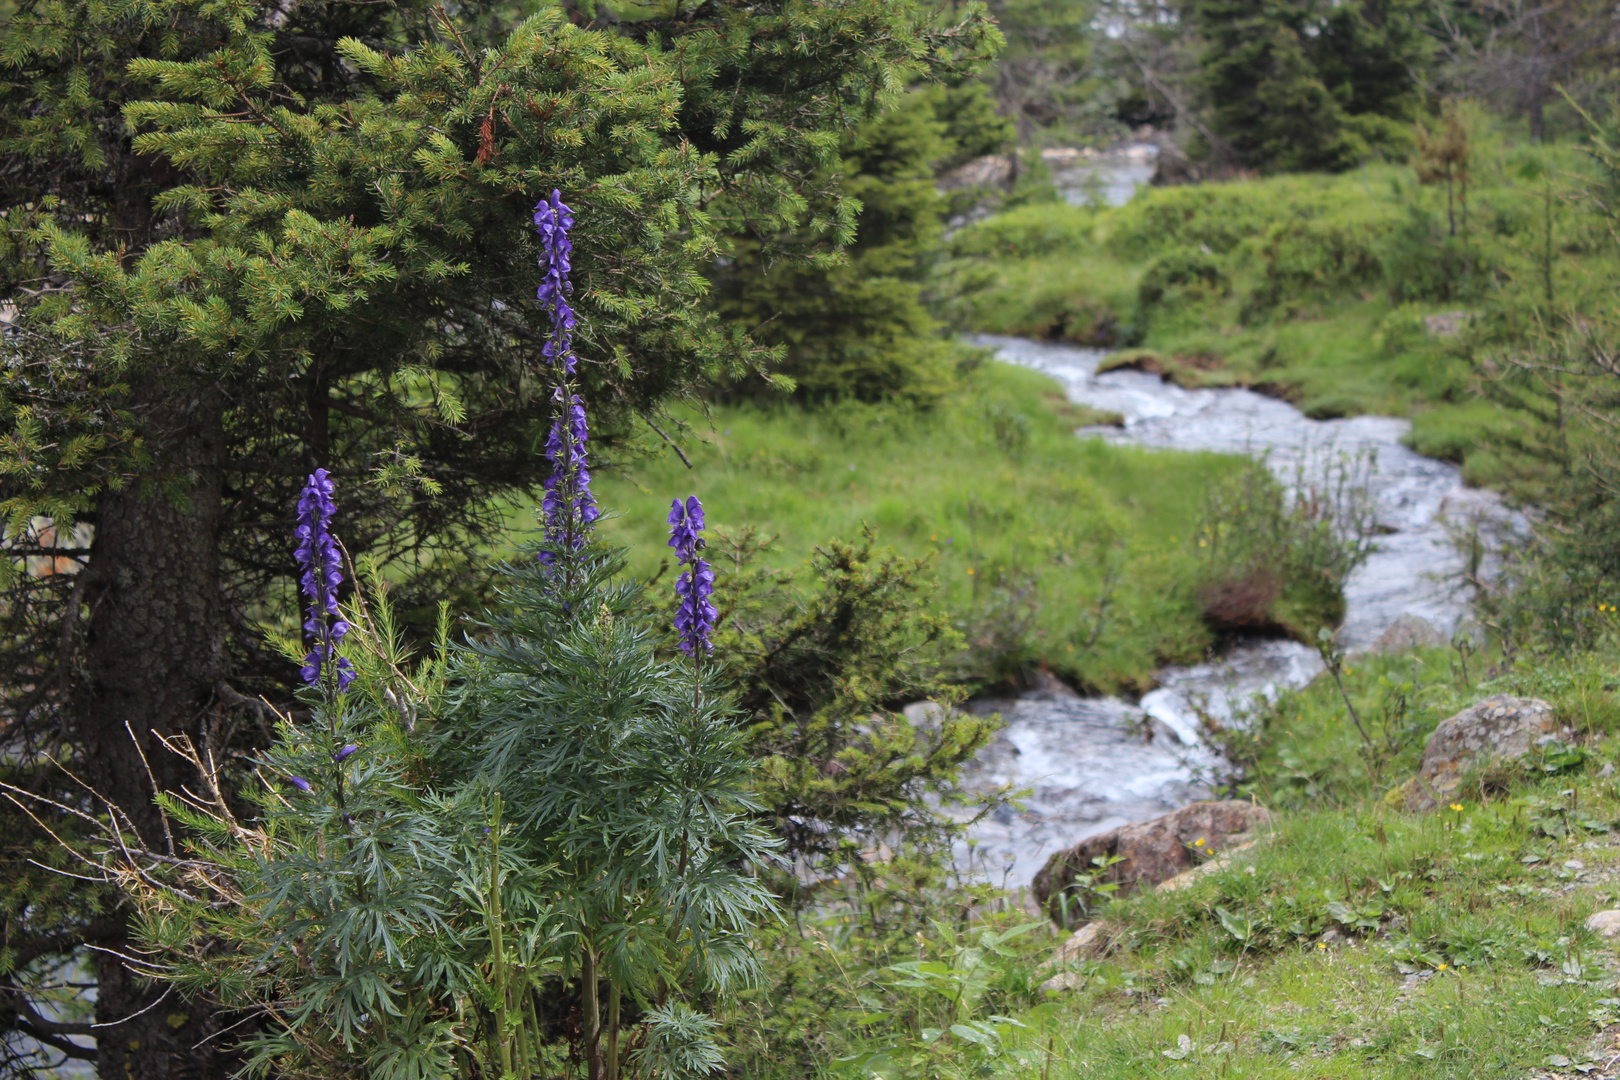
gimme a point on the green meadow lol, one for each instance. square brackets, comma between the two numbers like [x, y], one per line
[1345, 294]
[1066, 549]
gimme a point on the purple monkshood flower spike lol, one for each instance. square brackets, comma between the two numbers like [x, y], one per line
[685, 522]
[695, 616]
[552, 220]
[568, 508]
[322, 577]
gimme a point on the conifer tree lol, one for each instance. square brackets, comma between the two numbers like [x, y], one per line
[243, 239]
[1300, 84]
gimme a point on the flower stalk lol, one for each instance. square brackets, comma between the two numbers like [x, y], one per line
[322, 576]
[568, 510]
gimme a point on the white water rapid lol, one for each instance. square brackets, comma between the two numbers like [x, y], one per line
[1095, 763]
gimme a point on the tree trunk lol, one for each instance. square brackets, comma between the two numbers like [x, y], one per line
[1537, 106]
[154, 649]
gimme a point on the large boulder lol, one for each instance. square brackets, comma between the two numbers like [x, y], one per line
[1147, 853]
[1501, 728]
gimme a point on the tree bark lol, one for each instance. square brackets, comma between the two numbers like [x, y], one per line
[154, 647]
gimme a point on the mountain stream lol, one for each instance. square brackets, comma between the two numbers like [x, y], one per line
[1092, 764]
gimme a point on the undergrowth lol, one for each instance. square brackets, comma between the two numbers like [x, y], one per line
[1359, 941]
[1047, 548]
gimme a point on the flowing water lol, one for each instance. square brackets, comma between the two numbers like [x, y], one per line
[1109, 178]
[1092, 764]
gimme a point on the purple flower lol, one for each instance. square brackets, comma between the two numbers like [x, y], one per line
[552, 220]
[685, 522]
[345, 752]
[695, 615]
[323, 575]
[300, 783]
[568, 508]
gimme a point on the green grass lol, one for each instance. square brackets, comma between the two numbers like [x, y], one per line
[1360, 941]
[1073, 550]
[1311, 287]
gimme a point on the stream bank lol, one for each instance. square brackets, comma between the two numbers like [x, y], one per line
[1092, 764]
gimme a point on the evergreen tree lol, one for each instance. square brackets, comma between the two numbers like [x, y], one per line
[245, 238]
[1043, 76]
[860, 327]
[1301, 84]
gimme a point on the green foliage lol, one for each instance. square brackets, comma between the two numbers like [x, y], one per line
[859, 328]
[873, 980]
[1319, 289]
[1271, 561]
[1313, 260]
[241, 240]
[1551, 369]
[1297, 84]
[1356, 939]
[1046, 547]
[821, 672]
[1043, 77]
[546, 805]
[1180, 277]
[937, 1010]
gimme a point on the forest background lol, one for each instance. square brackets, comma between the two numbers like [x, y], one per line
[243, 241]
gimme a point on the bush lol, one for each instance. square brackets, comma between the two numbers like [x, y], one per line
[1028, 232]
[1182, 276]
[820, 672]
[1214, 216]
[1275, 563]
[1302, 262]
[1423, 262]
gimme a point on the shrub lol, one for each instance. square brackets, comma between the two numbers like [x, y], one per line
[1029, 232]
[1422, 261]
[819, 673]
[1216, 216]
[546, 810]
[1182, 276]
[1301, 262]
[1275, 562]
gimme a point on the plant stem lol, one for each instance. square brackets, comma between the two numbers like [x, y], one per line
[613, 1031]
[591, 1008]
[496, 945]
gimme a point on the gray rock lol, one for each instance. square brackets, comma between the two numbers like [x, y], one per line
[1087, 943]
[1605, 924]
[1446, 323]
[1188, 878]
[992, 170]
[1501, 728]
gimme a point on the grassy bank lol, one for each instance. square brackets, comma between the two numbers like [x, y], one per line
[1045, 546]
[1361, 941]
[1316, 288]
